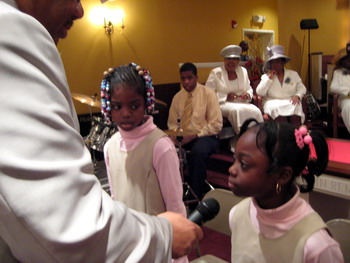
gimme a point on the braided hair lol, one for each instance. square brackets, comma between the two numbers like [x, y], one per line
[282, 144]
[139, 79]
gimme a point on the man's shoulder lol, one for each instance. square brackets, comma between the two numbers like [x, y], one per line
[179, 96]
[206, 90]
[179, 93]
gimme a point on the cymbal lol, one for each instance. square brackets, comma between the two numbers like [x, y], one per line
[90, 100]
[178, 132]
[161, 102]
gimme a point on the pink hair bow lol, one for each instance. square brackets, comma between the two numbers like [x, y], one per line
[302, 137]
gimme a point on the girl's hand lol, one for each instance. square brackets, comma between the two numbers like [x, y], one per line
[295, 100]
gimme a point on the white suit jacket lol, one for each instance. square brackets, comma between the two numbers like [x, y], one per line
[272, 89]
[218, 81]
[340, 83]
[52, 208]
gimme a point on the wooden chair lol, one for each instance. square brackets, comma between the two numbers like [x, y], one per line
[226, 200]
[334, 114]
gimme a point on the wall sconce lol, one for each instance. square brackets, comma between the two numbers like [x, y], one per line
[259, 19]
[112, 18]
[108, 26]
[109, 18]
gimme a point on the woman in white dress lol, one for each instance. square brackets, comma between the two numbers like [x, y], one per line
[281, 88]
[232, 87]
[341, 85]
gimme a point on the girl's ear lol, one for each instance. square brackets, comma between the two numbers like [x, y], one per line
[285, 174]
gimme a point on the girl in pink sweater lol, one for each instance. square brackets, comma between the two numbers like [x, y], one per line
[272, 166]
[141, 160]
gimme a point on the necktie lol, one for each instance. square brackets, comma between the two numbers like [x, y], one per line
[187, 113]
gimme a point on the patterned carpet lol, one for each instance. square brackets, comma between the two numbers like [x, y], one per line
[213, 243]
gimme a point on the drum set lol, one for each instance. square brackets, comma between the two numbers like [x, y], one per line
[100, 131]
[99, 134]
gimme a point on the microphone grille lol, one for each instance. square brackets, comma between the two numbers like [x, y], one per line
[209, 208]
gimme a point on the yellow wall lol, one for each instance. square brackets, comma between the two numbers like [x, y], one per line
[159, 34]
[331, 36]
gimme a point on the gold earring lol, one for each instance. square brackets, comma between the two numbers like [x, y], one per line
[278, 188]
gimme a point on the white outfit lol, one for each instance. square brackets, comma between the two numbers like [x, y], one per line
[52, 208]
[341, 85]
[239, 111]
[277, 97]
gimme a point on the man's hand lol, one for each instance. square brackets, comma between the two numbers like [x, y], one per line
[185, 234]
[189, 138]
[173, 139]
[184, 139]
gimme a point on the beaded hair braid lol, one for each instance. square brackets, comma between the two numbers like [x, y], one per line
[106, 91]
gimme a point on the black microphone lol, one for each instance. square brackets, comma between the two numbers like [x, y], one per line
[205, 211]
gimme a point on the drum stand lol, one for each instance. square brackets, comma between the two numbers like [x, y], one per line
[92, 151]
[187, 187]
[94, 159]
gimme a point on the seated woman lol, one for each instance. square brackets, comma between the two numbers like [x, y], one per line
[232, 87]
[341, 85]
[281, 88]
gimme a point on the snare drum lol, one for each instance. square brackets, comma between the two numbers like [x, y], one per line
[99, 134]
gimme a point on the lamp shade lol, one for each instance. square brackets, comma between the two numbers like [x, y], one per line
[308, 24]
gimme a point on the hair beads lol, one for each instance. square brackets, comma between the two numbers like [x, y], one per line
[105, 100]
[106, 91]
[150, 100]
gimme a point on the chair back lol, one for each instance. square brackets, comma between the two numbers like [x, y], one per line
[226, 200]
[340, 229]
[334, 114]
[208, 259]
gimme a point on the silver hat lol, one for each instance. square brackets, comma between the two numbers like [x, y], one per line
[273, 53]
[276, 52]
[231, 51]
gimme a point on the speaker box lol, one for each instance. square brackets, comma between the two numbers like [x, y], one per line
[308, 24]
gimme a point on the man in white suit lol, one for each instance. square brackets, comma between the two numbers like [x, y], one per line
[52, 208]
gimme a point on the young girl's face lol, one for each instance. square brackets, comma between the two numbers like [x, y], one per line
[248, 174]
[127, 107]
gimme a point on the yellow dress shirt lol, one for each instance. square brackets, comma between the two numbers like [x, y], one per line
[206, 116]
